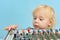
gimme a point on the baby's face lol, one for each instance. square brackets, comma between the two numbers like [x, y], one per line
[40, 19]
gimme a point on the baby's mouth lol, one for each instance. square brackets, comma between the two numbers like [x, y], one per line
[36, 26]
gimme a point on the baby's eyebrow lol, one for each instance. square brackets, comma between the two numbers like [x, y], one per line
[41, 17]
[34, 16]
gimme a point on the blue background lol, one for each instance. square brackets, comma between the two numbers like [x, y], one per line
[20, 12]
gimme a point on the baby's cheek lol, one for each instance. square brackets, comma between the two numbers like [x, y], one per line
[46, 21]
[45, 24]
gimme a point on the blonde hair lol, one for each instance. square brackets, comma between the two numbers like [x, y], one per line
[52, 14]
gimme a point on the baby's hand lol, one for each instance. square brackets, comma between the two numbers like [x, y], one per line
[11, 27]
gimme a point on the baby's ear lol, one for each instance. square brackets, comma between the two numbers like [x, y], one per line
[49, 23]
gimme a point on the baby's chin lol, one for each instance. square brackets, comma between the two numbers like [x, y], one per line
[39, 28]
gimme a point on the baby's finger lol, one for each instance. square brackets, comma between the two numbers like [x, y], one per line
[7, 28]
[14, 27]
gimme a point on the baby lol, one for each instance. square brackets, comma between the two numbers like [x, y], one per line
[43, 18]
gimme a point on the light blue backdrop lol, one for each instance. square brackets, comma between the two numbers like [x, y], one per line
[20, 12]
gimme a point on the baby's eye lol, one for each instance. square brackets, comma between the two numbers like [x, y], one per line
[34, 18]
[41, 19]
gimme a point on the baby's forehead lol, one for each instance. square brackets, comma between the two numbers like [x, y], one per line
[44, 11]
[41, 13]
[40, 16]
